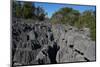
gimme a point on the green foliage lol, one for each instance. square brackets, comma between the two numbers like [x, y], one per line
[75, 18]
[28, 10]
[88, 20]
[67, 16]
[16, 9]
[40, 13]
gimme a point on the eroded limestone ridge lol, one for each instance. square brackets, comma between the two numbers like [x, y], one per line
[35, 42]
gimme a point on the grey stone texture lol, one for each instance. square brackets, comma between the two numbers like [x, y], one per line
[35, 42]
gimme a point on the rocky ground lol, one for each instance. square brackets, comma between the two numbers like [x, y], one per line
[35, 42]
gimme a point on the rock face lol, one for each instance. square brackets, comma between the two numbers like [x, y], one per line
[43, 43]
[75, 45]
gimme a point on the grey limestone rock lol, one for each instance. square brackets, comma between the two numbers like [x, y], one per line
[38, 42]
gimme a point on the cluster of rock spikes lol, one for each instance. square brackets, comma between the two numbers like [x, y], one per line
[35, 42]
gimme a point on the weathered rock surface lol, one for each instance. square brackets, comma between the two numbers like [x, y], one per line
[35, 42]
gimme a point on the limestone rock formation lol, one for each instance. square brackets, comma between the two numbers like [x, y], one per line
[35, 42]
